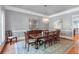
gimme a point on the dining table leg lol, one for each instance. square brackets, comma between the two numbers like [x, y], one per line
[37, 44]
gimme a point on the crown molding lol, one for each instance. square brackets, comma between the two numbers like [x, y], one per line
[65, 12]
[39, 14]
[23, 10]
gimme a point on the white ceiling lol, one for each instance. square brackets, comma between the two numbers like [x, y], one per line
[49, 10]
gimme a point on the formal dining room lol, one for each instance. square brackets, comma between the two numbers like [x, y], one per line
[39, 29]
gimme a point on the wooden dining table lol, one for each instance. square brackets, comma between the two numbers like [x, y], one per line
[38, 38]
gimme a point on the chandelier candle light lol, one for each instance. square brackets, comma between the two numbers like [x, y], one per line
[45, 18]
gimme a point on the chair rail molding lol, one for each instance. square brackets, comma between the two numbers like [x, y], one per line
[19, 30]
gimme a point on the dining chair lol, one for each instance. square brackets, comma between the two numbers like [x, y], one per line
[28, 40]
[10, 36]
[74, 32]
[51, 38]
[57, 36]
[47, 39]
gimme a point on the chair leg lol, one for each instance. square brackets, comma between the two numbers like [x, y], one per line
[16, 39]
[10, 41]
[54, 41]
[25, 44]
[7, 41]
[28, 47]
[36, 44]
[50, 43]
[45, 44]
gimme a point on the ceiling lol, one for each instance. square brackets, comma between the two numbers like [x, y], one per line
[46, 9]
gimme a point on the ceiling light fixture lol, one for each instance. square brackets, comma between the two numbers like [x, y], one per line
[45, 18]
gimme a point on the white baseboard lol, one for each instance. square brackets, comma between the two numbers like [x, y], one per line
[66, 37]
[2, 46]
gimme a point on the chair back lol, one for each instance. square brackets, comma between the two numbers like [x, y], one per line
[53, 34]
[8, 33]
[46, 34]
[58, 33]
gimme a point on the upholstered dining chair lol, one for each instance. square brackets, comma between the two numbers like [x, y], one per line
[57, 36]
[51, 37]
[46, 39]
[10, 36]
[28, 40]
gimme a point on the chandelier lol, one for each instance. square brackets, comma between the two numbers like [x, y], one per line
[45, 18]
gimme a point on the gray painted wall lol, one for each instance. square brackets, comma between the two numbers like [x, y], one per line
[65, 19]
[18, 22]
[66, 22]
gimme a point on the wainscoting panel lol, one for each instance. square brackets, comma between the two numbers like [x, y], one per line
[19, 34]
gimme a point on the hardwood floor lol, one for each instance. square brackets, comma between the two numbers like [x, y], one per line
[75, 49]
[8, 49]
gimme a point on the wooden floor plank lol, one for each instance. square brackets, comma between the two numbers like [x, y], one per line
[75, 49]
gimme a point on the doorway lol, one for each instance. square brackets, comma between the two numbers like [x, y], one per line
[76, 28]
[75, 21]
